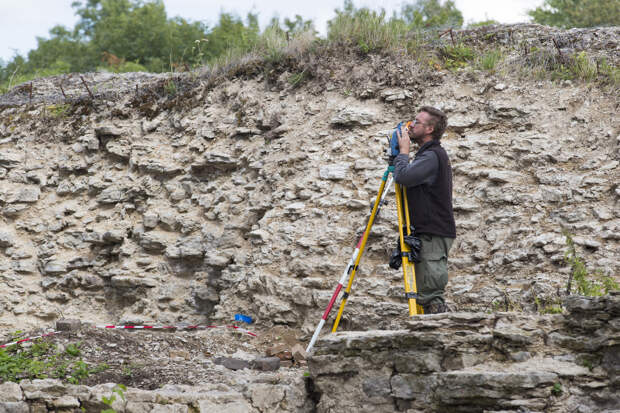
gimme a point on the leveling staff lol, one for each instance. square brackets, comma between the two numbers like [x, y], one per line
[428, 179]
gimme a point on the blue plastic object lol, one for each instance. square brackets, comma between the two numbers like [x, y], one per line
[394, 141]
[244, 318]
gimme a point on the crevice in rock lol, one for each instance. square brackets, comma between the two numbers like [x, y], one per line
[314, 395]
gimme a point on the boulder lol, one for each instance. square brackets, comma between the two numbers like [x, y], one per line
[265, 363]
[6, 240]
[19, 193]
[232, 363]
[215, 160]
[68, 324]
[108, 129]
[352, 116]
[10, 392]
[11, 158]
[334, 172]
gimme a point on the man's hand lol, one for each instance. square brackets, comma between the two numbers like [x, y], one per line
[403, 140]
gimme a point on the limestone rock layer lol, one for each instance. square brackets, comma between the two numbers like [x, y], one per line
[247, 193]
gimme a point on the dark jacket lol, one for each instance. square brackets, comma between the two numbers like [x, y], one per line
[429, 189]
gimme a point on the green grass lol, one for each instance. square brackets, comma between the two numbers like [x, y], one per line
[368, 31]
[547, 63]
[482, 23]
[58, 111]
[297, 79]
[505, 303]
[43, 360]
[457, 56]
[586, 283]
[364, 32]
[170, 87]
[489, 60]
[608, 74]
[17, 78]
[271, 45]
[119, 390]
[545, 307]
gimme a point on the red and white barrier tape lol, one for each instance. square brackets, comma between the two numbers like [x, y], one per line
[30, 339]
[162, 327]
[195, 327]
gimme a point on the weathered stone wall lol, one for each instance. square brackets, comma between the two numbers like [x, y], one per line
[473, 362]
[265, 393]
[249, 196]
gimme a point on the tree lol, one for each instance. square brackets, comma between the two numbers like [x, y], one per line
[577, 13]
[138, 31]
[291, 26]
[231, 33]
[62, 50]
[298, 25]
[9, 70]
[431, 13]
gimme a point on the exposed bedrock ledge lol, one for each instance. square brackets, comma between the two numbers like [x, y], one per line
[455, 362]
[266, 392]
[474, 362]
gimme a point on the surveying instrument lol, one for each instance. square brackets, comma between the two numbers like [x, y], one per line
[407, 253]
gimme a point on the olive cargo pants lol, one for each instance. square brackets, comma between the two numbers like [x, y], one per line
[432, 270]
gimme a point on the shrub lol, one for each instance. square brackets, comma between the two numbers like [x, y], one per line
[482, 23]
[41, 360]
[456, 56]
[588, 284]
[547, 62]
[489, 60]
[16, 78]
[367, 31]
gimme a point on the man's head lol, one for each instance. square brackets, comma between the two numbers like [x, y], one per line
[430, 123]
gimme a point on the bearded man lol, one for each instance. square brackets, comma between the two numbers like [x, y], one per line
[428, 179]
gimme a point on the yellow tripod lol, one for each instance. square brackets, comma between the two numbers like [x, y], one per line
[407, 263]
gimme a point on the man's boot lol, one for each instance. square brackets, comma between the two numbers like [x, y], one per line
[435, 307]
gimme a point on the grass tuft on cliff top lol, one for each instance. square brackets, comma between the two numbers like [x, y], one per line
[367, 32]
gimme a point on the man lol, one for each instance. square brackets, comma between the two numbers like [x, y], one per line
[428, 179]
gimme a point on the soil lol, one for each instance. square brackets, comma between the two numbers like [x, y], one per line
[149, 359]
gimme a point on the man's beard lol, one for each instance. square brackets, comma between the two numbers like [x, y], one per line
[417, 139]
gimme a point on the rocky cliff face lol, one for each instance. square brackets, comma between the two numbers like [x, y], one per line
[171, 200]
[191, 197]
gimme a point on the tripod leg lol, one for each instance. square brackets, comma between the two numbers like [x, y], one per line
[343, 279]
[362, 245]
[413, 281]
[408, 266]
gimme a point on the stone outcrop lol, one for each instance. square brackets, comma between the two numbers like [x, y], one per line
[247, 194]
[263, 393]
[470, 362]
[115, 211]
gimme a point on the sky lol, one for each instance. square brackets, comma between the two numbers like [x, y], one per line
[22, 21]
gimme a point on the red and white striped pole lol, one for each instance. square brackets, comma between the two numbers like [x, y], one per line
[344, 278]
[23, 340]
